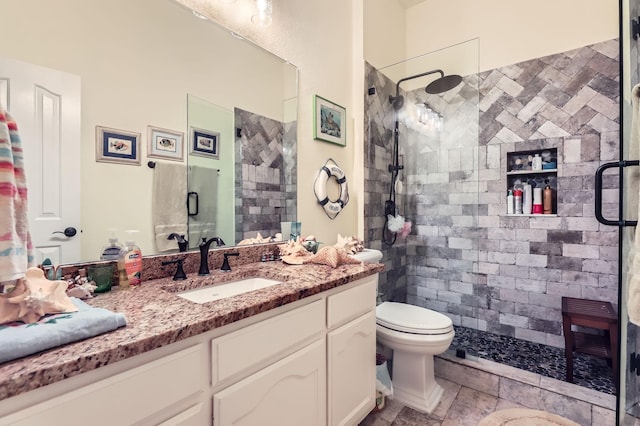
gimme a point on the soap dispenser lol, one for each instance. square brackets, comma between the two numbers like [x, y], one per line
[130, 263]
[112, 250]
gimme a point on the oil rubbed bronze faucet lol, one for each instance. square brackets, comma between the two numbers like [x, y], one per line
[204, 253]
[225, 263]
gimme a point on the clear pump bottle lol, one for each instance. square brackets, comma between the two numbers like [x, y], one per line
[112, 250]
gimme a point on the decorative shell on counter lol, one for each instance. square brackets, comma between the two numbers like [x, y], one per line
[352, 245]
[33, 297]
[258, 239]
[331, 256]
[294, 252]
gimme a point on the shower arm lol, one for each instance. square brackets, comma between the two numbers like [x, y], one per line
[411, 78]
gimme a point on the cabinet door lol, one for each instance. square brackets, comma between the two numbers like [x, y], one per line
[352, 370]
[290, 392]
[192, 416]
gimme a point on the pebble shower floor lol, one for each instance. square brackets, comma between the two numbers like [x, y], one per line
[549, 361]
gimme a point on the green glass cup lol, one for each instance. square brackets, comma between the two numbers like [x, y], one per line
[102, 276]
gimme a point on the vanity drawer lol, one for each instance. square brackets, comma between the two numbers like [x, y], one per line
[352, 303]
[244, 351]
[125, 398]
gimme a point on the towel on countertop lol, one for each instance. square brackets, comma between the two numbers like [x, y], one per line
[169, 203]
[631, 240]
[16, 251]
[18, 340]
[204, 181]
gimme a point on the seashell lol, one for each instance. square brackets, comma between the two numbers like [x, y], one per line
[352, 245]
[33, 297]
[331, 256]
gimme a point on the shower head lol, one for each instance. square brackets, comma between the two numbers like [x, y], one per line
[443, 84]
[439, 85]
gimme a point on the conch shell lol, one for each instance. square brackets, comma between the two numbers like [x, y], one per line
[34, 297]
[331, 256]
[352, 245]
[293, 252]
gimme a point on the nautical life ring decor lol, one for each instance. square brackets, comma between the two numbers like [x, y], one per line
[331, 170]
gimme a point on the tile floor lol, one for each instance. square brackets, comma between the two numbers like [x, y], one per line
[512, 365]
[460, 406]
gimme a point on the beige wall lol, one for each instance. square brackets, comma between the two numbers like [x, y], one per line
[319, 38]
[137, 61]
[510, 31]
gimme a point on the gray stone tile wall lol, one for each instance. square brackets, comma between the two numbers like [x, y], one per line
[465, 257]
[266, 174]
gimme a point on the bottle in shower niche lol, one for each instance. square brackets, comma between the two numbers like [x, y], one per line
[547, 198]
[527, 198]
[517, 201]
[536, 163]
[510, 202]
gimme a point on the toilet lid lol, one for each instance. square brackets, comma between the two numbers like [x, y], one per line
[412, 319]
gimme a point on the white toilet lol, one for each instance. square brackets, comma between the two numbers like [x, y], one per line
[415, 335]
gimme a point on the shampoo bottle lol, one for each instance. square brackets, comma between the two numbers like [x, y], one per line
[112, 250]
[547, 199]
[130, 264]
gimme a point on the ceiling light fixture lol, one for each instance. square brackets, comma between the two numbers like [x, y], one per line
[265, 13]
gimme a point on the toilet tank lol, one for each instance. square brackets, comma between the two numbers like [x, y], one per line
[368, 256]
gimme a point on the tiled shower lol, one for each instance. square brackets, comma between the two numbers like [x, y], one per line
[265, 153]
[465, 257]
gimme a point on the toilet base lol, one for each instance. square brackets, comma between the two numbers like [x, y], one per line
[414, 384]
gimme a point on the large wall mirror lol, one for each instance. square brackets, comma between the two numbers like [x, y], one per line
[145, 63]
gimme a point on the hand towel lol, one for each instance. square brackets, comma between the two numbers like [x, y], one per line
[169, 203]
[631, 241]
[16, 251]
[18, 340]
[204, 181]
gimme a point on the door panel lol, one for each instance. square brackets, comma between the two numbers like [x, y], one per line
[46, 106]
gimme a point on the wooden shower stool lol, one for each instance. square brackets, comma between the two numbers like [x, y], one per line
[592, 314]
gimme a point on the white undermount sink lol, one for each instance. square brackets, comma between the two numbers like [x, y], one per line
[221, 291]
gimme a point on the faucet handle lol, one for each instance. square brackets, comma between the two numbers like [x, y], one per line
[225, 263]
[179, 275]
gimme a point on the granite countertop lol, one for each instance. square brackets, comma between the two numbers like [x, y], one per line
[157, 317]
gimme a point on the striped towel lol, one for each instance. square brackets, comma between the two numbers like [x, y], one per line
[16, 251]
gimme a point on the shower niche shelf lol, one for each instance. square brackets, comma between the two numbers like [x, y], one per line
[519, 172]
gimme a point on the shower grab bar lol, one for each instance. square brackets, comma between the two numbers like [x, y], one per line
[598, 196]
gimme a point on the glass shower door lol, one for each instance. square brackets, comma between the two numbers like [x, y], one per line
[628, 403]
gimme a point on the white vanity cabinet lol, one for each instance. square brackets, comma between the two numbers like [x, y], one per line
[311, 362]
[169, 389]
[351, 348]
[290, 392]
[276, 370]
[321, 364]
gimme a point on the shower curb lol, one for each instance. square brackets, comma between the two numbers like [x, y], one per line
[528, 389]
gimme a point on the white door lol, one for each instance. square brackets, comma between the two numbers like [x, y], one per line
[46, 106]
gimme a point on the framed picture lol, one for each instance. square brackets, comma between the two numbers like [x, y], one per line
[330, 121]
[117, 146]
[163, 143]
[205, 143]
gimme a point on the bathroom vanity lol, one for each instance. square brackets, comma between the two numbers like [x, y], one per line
[301, 352]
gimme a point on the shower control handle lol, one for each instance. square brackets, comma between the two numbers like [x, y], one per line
[393, 168]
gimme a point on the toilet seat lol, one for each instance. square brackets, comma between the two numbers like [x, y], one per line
[412, 319]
